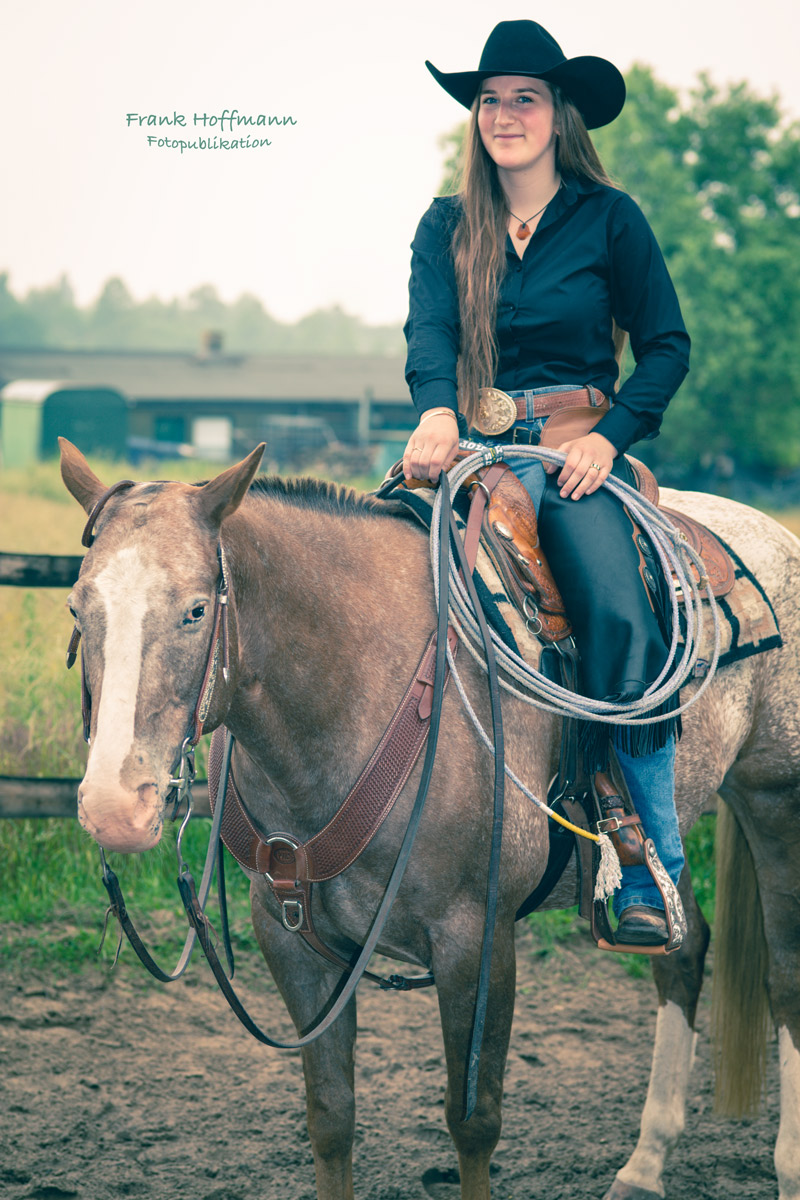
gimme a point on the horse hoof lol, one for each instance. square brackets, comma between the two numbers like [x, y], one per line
[629, 1191]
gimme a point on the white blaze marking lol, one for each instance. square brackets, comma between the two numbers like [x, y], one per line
[663, 1116]
[787, 1147]
[123, 589]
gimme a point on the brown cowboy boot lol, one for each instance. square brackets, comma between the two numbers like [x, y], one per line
[640, 924]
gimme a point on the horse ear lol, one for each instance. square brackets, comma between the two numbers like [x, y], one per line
[79, 479]
[223, 495]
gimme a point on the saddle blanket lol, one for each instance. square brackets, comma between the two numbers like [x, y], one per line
[748, 624]
[747, 620]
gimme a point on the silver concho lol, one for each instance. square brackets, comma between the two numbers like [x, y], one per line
[497, 412]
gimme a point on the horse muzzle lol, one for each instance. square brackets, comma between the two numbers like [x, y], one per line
[121, 820]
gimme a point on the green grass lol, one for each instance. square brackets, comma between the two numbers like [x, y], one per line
[53, 899]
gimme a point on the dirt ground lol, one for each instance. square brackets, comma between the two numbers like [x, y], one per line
[116, 1086]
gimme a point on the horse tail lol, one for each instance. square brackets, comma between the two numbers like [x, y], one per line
[740, 1014]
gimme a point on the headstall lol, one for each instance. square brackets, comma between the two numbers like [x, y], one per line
[182, 776]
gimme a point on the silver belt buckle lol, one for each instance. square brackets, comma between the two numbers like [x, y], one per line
[497, 412]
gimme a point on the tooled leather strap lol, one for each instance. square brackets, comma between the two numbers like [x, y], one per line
[545, 405]
[363, 811]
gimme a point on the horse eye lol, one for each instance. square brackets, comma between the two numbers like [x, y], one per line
[196, 614]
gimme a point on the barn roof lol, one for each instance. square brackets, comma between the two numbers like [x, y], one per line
[162, 375]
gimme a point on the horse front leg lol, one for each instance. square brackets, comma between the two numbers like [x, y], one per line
[306, 983]
[679, 978]
[456, 957]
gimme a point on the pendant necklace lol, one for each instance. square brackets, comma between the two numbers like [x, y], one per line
[523, 231]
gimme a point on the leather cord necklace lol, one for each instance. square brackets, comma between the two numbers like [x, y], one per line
[523, 231]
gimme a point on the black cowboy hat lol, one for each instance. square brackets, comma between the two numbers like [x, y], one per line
[525, 48]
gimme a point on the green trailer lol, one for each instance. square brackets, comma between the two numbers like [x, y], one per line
[35, 412]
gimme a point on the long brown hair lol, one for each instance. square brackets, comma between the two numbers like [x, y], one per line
[479, 255]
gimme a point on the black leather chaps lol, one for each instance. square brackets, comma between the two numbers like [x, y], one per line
[616, 597]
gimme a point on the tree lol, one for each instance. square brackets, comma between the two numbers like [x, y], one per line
[53, 308]
[717, 178]
[109, 317]
[18, 326]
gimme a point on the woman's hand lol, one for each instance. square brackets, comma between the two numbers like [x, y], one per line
[589, 461]
[431, 447]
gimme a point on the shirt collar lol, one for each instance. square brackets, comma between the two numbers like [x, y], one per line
[572, 187]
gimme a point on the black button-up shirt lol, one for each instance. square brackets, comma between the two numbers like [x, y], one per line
[592, 257]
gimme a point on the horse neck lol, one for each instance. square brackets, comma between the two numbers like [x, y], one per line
[332, 611]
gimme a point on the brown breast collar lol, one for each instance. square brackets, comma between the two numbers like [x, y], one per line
[290, 866]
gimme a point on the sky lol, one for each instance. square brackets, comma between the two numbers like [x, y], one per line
[324, 214]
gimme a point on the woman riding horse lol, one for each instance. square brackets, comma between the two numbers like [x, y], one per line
[524, 281]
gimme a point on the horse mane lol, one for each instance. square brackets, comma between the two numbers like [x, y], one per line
[317, 495]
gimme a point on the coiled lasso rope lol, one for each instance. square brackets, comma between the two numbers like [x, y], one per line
[532, 687]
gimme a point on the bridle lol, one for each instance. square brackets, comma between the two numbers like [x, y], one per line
[181, 780]
[183, 774]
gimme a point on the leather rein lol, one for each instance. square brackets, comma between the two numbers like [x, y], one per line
[288, 865]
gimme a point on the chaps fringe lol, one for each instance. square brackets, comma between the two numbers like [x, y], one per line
[636, 740]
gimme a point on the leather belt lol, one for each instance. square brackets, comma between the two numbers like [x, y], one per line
[498, 411]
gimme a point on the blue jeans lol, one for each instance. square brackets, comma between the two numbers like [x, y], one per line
[651, 783]
[651, 777]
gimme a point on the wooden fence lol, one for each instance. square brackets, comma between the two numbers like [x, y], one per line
[24, 797]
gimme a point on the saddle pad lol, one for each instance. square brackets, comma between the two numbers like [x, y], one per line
[747, 620]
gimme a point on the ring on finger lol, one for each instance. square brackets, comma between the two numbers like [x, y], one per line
[596, 466]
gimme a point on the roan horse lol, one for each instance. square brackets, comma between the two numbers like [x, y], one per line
[331, 605]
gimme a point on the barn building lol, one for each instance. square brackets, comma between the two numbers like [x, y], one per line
[218, 405]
